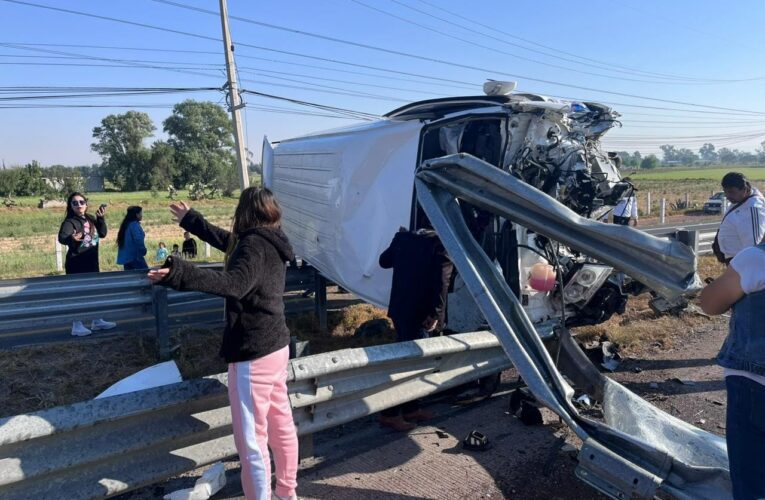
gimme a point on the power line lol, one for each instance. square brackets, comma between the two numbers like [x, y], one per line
[601, 64]
[504, 52]
[380, 49]
[439, 61]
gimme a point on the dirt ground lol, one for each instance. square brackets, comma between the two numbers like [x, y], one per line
[361, 460]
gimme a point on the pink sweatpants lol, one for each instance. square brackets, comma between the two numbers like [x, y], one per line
[262, 418]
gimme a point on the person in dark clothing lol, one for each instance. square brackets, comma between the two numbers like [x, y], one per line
[255, 339]
[81, 233]
[189, 246]
[421, 275]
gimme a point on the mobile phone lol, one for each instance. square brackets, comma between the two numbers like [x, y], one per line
[103, 206]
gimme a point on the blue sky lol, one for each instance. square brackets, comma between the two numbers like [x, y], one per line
[687, 51]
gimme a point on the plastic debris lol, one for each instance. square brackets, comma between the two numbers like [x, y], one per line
[683, 381]
[154, 376]
[211, 482]
[584, 400]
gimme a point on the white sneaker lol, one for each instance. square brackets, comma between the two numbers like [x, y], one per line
[79, 330]
[100, 324]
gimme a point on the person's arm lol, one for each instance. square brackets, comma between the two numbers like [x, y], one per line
[235, 282]
[722, 293]
[66, 233]
[101, 222]
[196, 224]
[139, 236]
[634, 213]
[387, 258]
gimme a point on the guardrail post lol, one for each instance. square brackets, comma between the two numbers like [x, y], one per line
[59, 257]
[159, 303]
[690, 238]
[299, 349]
[663, 211]
[687, 200]
[207, 250]
[648, 204]
[320, 299]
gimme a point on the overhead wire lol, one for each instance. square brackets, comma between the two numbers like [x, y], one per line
[379, 49]
[600, 64]
[431, 59]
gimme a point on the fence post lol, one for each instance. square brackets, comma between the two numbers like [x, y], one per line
[724, 207]
[663, 211]
[687, 201]
[690, 238]
[59, 258]
[159, 304]
[320, 299]
[648, 204]
[207, 250]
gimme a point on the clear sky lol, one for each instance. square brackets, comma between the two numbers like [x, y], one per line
[690, 57]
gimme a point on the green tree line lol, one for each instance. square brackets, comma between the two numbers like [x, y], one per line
[707, 154]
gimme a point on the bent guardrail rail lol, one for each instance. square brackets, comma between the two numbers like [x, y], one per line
[637, 449]
[104, 447]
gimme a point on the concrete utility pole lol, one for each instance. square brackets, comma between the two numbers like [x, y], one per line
[235, 103]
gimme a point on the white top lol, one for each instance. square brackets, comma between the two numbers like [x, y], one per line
[750, 266]
[743, 227]
[627, 207]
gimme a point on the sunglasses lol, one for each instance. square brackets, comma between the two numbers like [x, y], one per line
[80, 203]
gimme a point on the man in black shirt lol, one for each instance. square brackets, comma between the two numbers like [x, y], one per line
[421, 274]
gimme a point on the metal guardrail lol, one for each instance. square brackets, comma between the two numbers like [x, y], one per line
[38, 310]
[105, 447]
[697, 236]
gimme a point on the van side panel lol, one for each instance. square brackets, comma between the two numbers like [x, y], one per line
[344, 195]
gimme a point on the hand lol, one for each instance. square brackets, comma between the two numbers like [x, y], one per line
[157, 275]
[179, 210]
[78, 236]
[101, 211]
[430, 324]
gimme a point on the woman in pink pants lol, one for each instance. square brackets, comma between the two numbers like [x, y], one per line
[256, 338]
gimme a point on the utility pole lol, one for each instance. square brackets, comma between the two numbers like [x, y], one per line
[234, 101]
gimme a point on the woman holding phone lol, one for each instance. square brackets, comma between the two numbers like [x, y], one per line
[81, 233]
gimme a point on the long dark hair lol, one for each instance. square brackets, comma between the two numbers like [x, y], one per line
[71, 213]
[134, 213]
[257, 208]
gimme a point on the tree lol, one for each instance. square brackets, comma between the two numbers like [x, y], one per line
[164, 169]
[649, 162]
[708, 153]
[669, 152]
[120, 145]
[201, 133]
[727, 156]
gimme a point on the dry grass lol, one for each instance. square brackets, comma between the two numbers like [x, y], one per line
[35, 378]
[640, 328]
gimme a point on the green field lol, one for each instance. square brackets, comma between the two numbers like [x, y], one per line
[28, 234]
[711, 174]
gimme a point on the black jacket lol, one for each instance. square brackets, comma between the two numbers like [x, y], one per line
[421, 274]
[81, 257]
[252, 284]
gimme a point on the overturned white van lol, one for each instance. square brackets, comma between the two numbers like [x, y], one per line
[345, 192]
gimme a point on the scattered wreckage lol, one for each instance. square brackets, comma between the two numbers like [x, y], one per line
[515, 186]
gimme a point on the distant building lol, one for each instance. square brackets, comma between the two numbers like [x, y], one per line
[94, 183]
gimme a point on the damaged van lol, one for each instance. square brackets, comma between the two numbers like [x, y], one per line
[346, 192]
[516, 185]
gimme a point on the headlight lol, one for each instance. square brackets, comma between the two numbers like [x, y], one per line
[584, 283]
